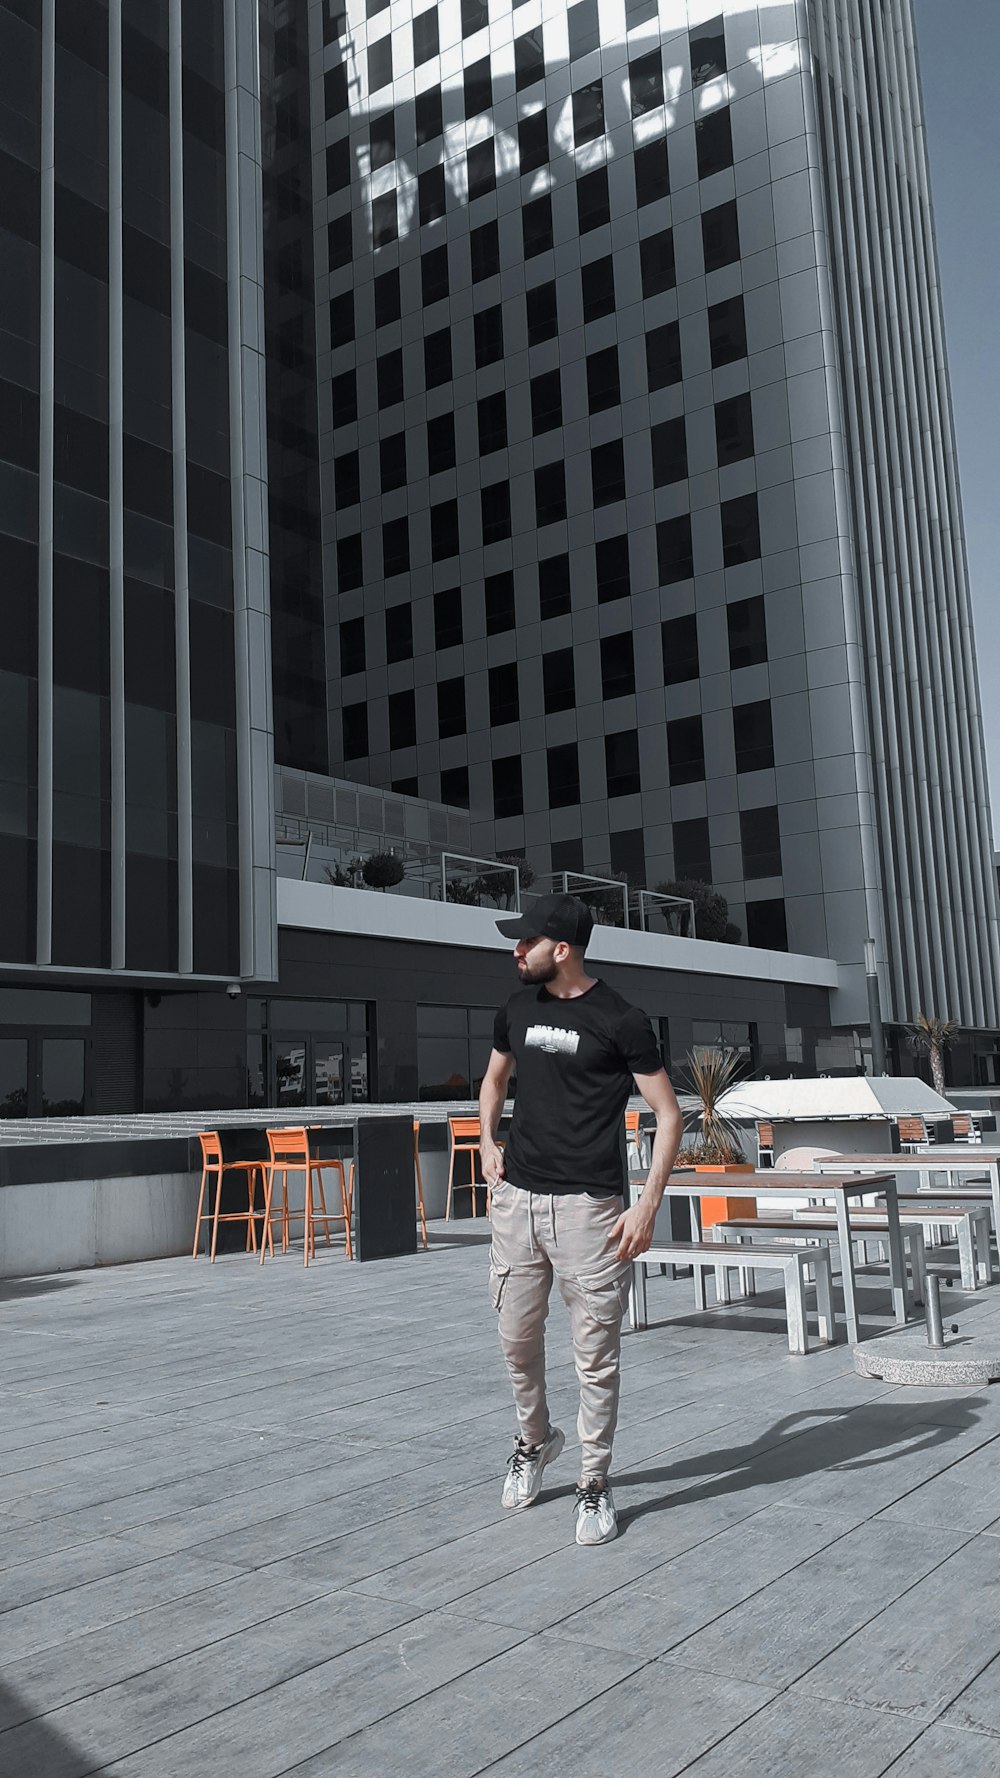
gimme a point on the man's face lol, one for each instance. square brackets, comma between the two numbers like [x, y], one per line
[536, 961]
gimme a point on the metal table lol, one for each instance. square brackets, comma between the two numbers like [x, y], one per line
[841, 1188]
[952, 1161]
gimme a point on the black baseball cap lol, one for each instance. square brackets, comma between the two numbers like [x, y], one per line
[559, 917]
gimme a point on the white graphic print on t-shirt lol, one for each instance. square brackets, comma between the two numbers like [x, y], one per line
[550, 1038]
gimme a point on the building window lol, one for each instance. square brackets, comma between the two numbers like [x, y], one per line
[720, 236]
[645, 76]
[663, 356]
[399, 633]
[617, 666]
[402, 719]
[451, 707]
[529, 59]
[740, 530]
[708, 51]
[347, 479]
[425, 36]
[767, 927]
[440, 444]
[495, 509]
[760, 840]
[603, 385]
[550, 493]
[533, 142]
[504, 705]
[508, 787]
[389, 378]
[621, 763]
[478, 88]
[558, 681]
[563, 767]
[453, 1047]
[584, 29]
[437, 358]
[752, 736]
[492, 416]
[475, 16]
[352, 646]
[593, 200]
[434, 275]
[338, 165]
[384, 220]
[612, 564]
[554, 587]
[344, 398]
[588, 113]
[481, 166]
[335, 91]
[392, 462]
[444, 530]
[455, 787]
[607, 472]
[747, 632]
[501, 612]
[382, 140]
[727, 331]
[484, 248]
[542, 313]
[669, 447]
[488, 330]
[342, 328]
[686, 750]
[354, 727]
[652, 176]
[674, 554]
[428, 116]
[546, 402]
[734, 429]
[598, 284]
[536, 226]
[692, 851]
[656, 262]
[713, 138]
[679, 637]
[388, 306]
[380, 63]
[340, 240]
[350, 562]
[431, 195]
[448, 617]
[395, 547]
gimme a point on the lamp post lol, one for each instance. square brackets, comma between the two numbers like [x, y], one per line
[874, 1009]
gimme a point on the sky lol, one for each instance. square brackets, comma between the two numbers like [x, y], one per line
[958, 43]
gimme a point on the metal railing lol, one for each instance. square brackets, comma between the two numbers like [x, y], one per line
[477, 885]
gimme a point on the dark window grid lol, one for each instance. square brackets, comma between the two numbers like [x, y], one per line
[734, 429]
[668, 441]
[767, 925]
[727, 331]
[529, 59]
[402, 719]
[752, 736]
[434, 282]
[546, 402]
[760, 841]
[389, 378]
[342, 325]
[504, 696]
[656, 263]
[448, 625]
[395, 547]
[354, 729]
[740, 530]
[392, 462]
[492, 418]
[431, 198]
[350, 562]
[481, 169]
[444, 530]
[686, 750]
[495, 509]
[399, 633]
[720, 235]
[550, 493]
[588, 113]
[679, 636]
[344, 398]
[607, 472]
[440, 444]
[708, 51]
[597, 280]
[558, 681]
[380, 63]
[621, 763]
[508, 787]
[388, 301]
[617, 665]
[583, 25]
[347, 479]
[428, 116]
[488, 334]
[652, 173]
[352, 646]
[385, 220]
[555, 596]
[536, 227]
[542, 313]
[437, 358]
[692, 851]
[747, 629]
[593, 200]
[603, 380]
[645, 76]
[498, 595]
[478, 88]
[563, 772]
[611, 558]
[455, 787]
[475, 16]
[451, 708]
[674, 553]
[663, 356]
[484, 250]
[425, 36]
[533, 142]
[713, 138]
[382, 140]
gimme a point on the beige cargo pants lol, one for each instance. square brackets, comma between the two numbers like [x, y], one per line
[566, 1235]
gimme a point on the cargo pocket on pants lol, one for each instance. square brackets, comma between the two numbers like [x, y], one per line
[606, 1297]
[498, 1283]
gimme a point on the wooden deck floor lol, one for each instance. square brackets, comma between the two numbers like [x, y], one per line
[250, 1525]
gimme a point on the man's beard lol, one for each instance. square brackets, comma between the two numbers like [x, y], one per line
[538, 972]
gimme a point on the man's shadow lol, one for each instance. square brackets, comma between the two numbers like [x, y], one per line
[800, 1445]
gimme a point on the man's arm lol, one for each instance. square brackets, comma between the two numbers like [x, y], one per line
[492, 1094]
[634, 1228]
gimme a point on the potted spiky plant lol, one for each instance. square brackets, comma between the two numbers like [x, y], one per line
[930, 1036]
[716, 1148]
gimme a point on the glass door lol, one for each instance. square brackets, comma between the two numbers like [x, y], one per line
[328, 1071]
[289, 1061]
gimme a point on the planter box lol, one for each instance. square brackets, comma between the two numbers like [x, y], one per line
[720, 1209]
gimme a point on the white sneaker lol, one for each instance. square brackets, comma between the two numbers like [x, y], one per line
[596, 1518]
[523, 1481]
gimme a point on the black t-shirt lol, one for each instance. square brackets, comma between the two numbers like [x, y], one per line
[575, 1061]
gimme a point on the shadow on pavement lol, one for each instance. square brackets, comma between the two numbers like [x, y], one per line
[12, 1289]
[32, 1750]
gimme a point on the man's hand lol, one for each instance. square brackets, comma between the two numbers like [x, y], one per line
[491, 1161]
[634, 1230]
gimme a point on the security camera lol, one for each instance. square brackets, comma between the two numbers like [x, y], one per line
[234, 990]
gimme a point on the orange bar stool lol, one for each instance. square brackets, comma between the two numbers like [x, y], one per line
[464, 1133]
[213, 1169]
[290, 1153]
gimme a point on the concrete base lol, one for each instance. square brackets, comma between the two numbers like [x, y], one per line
[905, 1357]
[72, 1223]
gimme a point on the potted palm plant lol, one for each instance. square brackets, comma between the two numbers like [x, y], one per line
[716, 1146]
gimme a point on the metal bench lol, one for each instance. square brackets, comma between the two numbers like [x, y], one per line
[805, 1225]
[794, 1263]
[970, 1224]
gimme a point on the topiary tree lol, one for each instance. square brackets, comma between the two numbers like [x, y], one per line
[711, 910]
[383, 870]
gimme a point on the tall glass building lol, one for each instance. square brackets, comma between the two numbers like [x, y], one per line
[643, 537]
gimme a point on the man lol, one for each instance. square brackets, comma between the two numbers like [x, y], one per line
[557, 1191]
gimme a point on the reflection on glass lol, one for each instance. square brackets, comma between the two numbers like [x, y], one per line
[328, 1074]
[62, 1076]
[13, 1077]
[290, 1073]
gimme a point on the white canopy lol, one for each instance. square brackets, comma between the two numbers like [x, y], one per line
[847, 1096]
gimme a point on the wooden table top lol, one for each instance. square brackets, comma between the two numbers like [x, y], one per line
[962, 1156]
[768, 1183]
